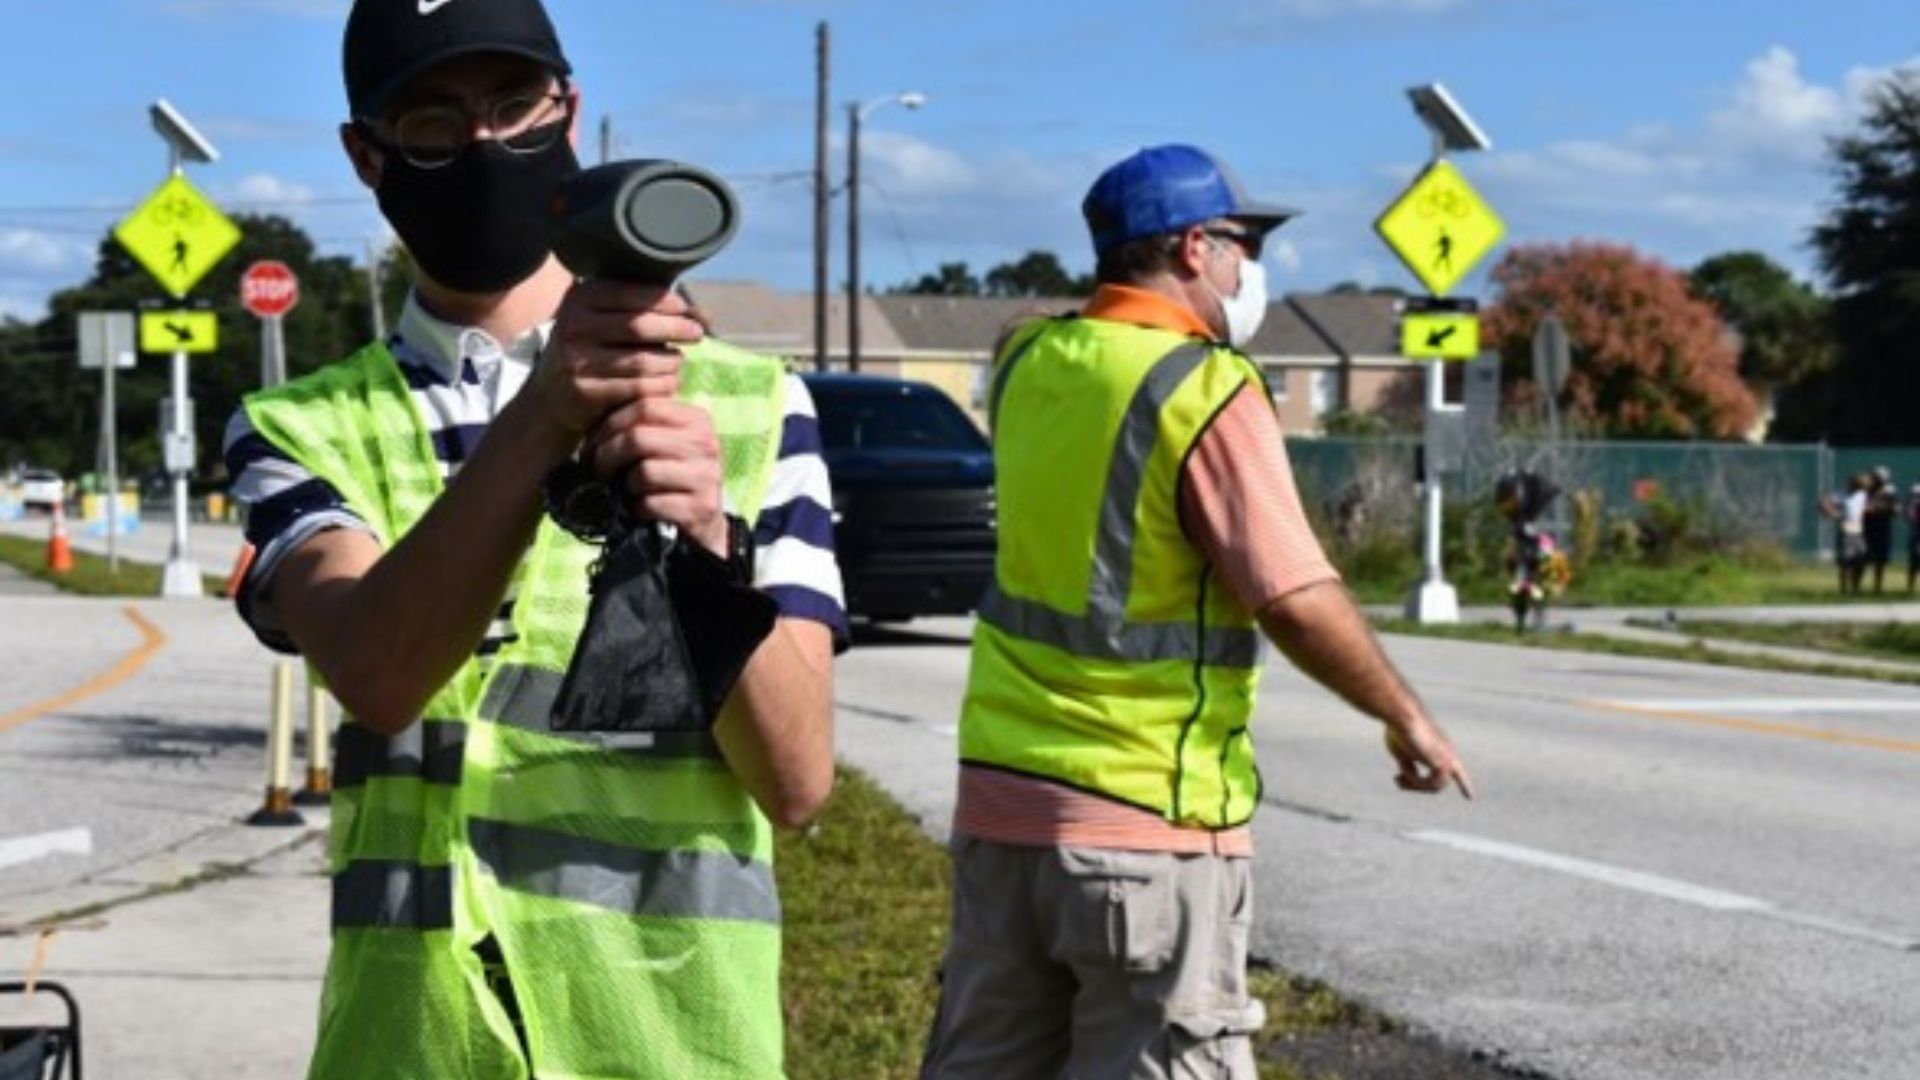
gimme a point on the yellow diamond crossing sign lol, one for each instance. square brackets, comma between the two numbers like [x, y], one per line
[1440, 227]
[177, 234]
[179, 331]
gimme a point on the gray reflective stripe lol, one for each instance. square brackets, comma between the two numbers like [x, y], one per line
[523, 697]
[1104, 632]
[1126, 474]
[683, 884]
[1104, 639]
[395, 895]
[431, 750]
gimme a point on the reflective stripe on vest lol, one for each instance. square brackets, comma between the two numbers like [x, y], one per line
[682, 884]
[431, 750]
[394, 895]
[523, 697]
[1104, 631]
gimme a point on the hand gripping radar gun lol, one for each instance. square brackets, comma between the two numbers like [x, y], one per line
[669, 626]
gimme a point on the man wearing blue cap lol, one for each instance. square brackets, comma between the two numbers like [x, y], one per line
[1149, 534]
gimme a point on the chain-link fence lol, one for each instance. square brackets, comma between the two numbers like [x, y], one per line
[1733, 491]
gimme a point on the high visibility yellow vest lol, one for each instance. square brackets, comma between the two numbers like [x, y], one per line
[628, 880]
[1109, 656]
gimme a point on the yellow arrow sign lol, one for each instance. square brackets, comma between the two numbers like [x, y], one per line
[1442, 336]
[1440, 227]
[177, 234]
[179, 331]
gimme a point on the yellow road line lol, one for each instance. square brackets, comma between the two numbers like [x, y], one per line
[151, 642]
[1760, 727]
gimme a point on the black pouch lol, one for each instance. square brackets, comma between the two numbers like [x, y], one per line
[667, 634]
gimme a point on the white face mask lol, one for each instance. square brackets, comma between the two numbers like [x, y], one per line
[1245, 308]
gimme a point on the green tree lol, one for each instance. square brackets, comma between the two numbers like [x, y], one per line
[49, 409]
[1869, 246]
[1037, 273]
[952, 279]
[1649, 360]
[1786, 342]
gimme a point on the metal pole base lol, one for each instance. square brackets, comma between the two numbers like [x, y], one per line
[319, 789]
[278, 810]
[181, 579]
[1433, 602]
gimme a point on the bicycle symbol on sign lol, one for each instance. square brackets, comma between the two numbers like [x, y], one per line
[1442, 200]
[176, 210]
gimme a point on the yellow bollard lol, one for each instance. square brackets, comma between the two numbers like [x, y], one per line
[319, 789]
[278, 809]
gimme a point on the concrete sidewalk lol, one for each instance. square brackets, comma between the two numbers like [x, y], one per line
[217, 978]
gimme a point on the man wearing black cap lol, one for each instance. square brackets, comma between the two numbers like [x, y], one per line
[1149, 534]
[510, 900]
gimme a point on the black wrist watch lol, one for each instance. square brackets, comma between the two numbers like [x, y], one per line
[739, 549]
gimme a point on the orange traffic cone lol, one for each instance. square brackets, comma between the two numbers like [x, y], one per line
[59, 554]
[242, 562]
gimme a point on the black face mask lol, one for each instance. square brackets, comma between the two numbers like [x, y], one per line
[477, 224]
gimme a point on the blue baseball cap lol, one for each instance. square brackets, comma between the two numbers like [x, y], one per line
[1164, 188]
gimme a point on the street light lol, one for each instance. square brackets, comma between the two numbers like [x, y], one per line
[857, 112]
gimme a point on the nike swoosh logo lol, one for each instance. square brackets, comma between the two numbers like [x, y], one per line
[428, 7]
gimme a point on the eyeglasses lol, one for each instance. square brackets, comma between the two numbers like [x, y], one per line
[431, 136]
[1249, 241]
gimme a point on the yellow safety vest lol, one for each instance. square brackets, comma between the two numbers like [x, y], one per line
[1109, 656]
[628, 881]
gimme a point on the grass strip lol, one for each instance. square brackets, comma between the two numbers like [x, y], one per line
[90, 575]
[865, 893]
[1694, 652]
[1884, 640]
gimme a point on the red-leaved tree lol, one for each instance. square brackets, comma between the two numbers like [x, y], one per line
[1649, 360]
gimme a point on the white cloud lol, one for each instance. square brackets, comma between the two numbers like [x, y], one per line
[1747, 174]
[1284, 254]
[32, 252]
[265, 188]
[1776, 111]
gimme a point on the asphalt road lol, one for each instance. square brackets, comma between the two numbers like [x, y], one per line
[1672, 871]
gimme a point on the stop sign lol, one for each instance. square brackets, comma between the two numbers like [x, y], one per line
[269, 289]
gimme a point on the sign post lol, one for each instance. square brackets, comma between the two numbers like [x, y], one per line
[1440, 228]
[269, 290]
[106, 342]
[178, 235]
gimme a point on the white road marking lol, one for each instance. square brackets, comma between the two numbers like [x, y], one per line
[1892, 704]
[1655, 885]
[25, 849]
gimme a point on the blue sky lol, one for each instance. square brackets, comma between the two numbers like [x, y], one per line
[1684, 128]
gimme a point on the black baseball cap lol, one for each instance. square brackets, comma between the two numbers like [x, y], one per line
[388, 42]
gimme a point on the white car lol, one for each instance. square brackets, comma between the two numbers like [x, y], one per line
[41, 489]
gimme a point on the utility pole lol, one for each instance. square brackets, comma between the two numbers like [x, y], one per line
[853, 236]
[821, 194]
[374, 300]
[606, 138]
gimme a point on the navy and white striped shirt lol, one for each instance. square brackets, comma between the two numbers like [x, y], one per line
[461, 378]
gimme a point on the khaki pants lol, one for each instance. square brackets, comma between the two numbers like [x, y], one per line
[1095, 965]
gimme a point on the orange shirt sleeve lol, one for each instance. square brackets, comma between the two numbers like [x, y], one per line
[1240, 506]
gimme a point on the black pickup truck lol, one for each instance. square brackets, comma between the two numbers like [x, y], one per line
[913, 502]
